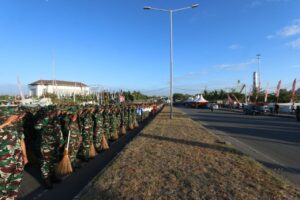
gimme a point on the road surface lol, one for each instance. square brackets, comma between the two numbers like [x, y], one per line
[273, 141]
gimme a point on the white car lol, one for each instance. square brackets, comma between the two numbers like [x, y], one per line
[214, 105]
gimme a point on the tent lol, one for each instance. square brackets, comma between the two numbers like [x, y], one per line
[199, 101]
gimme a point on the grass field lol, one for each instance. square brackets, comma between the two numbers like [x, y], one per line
[179, 159]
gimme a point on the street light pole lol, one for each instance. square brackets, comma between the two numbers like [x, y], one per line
[171, 46]
[258, 71]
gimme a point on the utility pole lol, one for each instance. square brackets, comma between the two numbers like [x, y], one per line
[258, 71]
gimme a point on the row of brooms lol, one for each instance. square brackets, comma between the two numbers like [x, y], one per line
[64, 167]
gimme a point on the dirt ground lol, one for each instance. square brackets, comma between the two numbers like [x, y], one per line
[180, 159]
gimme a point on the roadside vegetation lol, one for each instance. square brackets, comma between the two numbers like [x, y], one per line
[180, 159]
[217, 95]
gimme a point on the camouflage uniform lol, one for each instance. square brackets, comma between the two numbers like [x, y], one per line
[11, 161]
[75, 135]
[122, 116]
[113, 124]
[129, 117]
[118, 116]
[98, 129]
[87, 134]
[106, 123]
[134, 114]
[51, 139]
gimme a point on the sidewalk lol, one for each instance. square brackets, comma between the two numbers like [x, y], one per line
[284, 115]
[179, 159]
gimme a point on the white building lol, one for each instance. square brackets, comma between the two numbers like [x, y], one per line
[61, 88]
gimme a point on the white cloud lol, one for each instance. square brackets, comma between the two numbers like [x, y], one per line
[287, 31]
[290, 30]
[236, 66]
[294, 44]
[235, 47]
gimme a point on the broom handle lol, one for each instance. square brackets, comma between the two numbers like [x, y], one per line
[67, 148]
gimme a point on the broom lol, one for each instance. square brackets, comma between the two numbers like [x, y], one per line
[64, 166]
[92, 151]
[115, 136]
[123, 130]
[131, 126]
[104, 144]
[135, 124]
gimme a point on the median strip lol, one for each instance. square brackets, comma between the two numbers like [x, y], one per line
[181, 159]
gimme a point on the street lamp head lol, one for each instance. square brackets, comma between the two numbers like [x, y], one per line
[147, 8]
[194, 5]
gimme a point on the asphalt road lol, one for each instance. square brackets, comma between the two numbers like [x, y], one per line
[273, 141]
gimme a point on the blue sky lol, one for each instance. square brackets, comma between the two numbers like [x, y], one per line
[120, 45]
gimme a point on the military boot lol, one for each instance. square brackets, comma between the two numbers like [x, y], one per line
[55, 179]
[76, 164]
[48, 183]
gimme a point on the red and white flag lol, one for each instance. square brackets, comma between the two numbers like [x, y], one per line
[278, 89]
[267, 93]
[230, 101]
[293, 89]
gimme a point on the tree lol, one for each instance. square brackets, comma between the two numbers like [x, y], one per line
[177, 97]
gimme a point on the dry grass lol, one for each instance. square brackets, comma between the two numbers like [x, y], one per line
[179, 159]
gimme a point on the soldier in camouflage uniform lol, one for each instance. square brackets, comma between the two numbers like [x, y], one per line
[50, 142]
[70, 123]
[113, 124]
[118, 116]
[129, 117]
[106, 122]
[134, 116]
[86, 125]
[98, 130]
[122, 117]
[12, 155]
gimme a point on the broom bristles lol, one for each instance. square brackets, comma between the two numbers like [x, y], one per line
[64, 166]
[92, 151]
[115, 136]
[131, 126]
[136, 124]
[123, 130]
[104, 144]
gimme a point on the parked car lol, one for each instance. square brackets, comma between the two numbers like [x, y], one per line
[255, 109]
[214, 105]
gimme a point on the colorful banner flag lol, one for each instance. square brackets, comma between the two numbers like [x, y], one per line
[278, 89]
[230, 101]
[267, 93]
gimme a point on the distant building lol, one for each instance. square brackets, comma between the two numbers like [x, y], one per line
[61, 88]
